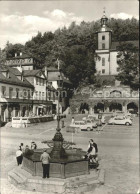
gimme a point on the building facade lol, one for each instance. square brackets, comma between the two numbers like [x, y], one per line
[42, 105]
[61, 86]
[15, 94]
[107, 99]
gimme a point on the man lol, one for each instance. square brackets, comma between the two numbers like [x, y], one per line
[33, 145]
[96, 149]
[19, 156]
[45, 157]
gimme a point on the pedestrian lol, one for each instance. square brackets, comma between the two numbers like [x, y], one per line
[33, 145]
[19, 156]
[22, 147]
[96, 148]
[72, 121]
[45, 158]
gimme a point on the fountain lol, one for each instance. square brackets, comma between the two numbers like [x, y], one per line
[64, 162]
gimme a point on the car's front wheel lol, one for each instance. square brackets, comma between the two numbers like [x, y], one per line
[127, 124]
[88, 128]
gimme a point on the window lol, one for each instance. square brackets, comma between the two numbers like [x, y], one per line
[24, 93]
[17, 92]
[3, 91]
[36, 95]
[103, 61]
[43, 95]
[103, 46]
[103, 37]
[36, 81]
[103, 71]
[10, 92]
[29, 94]
[39, 95]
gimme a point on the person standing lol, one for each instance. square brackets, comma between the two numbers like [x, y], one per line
[45, 157]
[19, 156]
[72, 121]
[96, 148]
[33, 145]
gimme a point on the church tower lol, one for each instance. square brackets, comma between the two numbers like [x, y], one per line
[104, 35]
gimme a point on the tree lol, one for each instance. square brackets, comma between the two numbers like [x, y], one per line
[2, 56]
[128, 65]
[11, 49]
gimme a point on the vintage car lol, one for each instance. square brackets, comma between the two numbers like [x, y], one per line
[96, 118]
[120, 121]
[84, 125]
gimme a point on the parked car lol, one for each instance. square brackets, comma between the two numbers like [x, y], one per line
[95, 117]
[120, 121]
[84, 125]
[128, 116]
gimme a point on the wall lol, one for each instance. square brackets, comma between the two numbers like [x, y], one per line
[21, 89]
[99, 66]
[113, 63]
[107, 40]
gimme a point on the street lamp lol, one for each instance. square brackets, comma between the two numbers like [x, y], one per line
[58, 152]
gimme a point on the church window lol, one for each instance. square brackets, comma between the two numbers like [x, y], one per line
[103, 46]
[103, 61]
[103, 37]
[103, 71]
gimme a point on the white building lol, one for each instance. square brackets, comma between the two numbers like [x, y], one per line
[15, 94]
[107, 50]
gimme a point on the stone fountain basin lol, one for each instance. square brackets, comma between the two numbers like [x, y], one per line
[73, 165]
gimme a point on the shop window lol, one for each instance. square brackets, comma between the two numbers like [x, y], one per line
[103, 61]
[103, 71]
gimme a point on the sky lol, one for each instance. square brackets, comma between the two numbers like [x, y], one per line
[20, 20]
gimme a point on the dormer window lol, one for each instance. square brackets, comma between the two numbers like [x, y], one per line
[6, 74]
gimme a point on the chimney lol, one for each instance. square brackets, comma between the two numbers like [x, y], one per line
[15, 54]
[20, 53]
[58, 63]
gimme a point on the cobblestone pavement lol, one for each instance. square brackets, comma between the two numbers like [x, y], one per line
[118, 154]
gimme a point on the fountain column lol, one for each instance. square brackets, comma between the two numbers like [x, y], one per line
[58, 152]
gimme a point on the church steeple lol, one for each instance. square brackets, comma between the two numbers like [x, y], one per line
[104, 34]
[104, 20]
